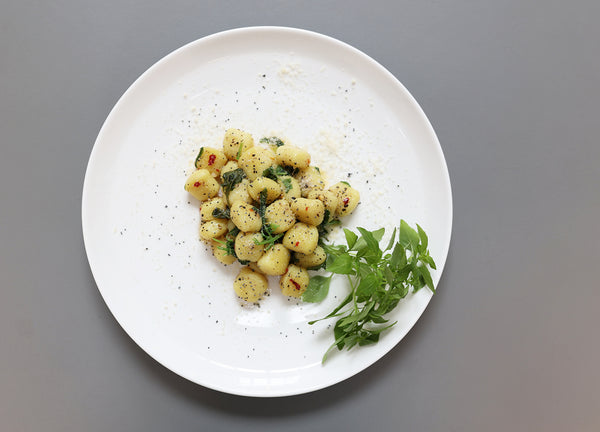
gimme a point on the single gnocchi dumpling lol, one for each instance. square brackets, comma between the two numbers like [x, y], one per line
[310, 178]
[220, 252]
[275, 261]
[328, 198]
[211, 159]
[250, 285]
[295, 281]
[240, 193]
[201, 185]
[348, 198]
[213, 228]
[208, 208]
[312, 260]
[236, 142]
[279, 216]
[301, 238]
[309, 211]
[255, 161]
[248, 246]
[259, 184]
[245, 216]
[294, 157]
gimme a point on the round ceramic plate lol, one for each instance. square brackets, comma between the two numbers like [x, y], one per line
[141, 228]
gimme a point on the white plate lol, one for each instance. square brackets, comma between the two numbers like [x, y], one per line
[141, 229]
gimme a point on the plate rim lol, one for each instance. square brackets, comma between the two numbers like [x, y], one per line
[233, 32]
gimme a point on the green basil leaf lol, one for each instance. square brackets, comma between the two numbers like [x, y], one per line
[369, 339]
[360, 245]
[350, 238]
[398, 259]
[392, 240]
[408, 236]
[372, 243]
[318, 288]
[427, 277]
[423, 238]
[378, 234]
[389, 275]
[221, 213]
[272, 141]
[367, 286]
[232, 178]
[274, 172]
[426, 259]
[339, 335]
[197, 162]
[341, 265]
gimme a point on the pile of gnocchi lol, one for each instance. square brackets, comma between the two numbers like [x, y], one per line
[268, 208]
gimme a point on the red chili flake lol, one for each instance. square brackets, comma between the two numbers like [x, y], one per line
[296, 284]
[306, 209]
[297, 243]
[196, 184]
[211, 159]
[345, 201]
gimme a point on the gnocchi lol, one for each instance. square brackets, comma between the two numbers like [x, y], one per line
[245, 216]
[220, 253]
[309, 211]
[263, 183]
[312, 260]
[295, 281]
[248, 246]
[240, 193]
[301, 238]
[201, 185]
[280, 216]
[290, 187]
[235, 142]
[348, 198]
[255, 160]
[211, 159]
[213, 229]
[288, 155]
[275, 261]
[310, 178]
[329, 199]
[208, 208]
[250, 285]
[266, 207]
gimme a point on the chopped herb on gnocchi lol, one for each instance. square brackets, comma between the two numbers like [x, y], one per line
[267, 208]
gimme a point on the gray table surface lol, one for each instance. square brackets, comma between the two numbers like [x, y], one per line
[510, 342]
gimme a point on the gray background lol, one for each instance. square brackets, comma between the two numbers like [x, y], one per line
[510, 342]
